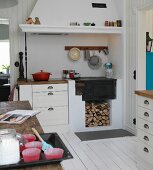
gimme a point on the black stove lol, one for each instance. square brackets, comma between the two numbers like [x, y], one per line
[96, 88]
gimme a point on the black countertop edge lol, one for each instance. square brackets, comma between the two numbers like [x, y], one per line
[94, 78]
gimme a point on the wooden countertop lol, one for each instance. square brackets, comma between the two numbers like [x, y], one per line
[145, 93]
[53, 81]
[25, 128]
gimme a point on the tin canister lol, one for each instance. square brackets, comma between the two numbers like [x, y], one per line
[108, 70]
[108, 65]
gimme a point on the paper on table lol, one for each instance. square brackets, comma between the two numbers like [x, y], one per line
[24, 112]
[17, 116]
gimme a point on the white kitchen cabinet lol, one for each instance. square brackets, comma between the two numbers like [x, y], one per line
[145, 128]
[50, 99]
[54, 115]
[25, 93]
[48, 87]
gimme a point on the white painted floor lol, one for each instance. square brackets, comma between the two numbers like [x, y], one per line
[104, 154]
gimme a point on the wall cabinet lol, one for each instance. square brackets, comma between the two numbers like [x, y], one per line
[145, 128]
[50, 99]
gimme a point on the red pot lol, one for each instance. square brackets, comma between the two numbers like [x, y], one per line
[41, 76]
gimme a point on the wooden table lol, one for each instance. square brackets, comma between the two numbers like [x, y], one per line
[25, 128]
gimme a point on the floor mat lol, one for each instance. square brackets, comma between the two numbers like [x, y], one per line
[94, 135]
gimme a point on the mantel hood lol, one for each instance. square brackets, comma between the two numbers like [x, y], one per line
[45, 29]
[57, 15]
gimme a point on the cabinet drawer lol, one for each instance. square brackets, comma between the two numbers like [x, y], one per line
[145, 126]
[48, 99]
[49, 87]
[145, 102]
[145, 114]
[53, 116]
[145, 152]
[145, 137]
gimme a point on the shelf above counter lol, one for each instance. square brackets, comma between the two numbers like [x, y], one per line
[45, 29]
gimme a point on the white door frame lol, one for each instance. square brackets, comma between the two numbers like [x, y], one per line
[141, 46]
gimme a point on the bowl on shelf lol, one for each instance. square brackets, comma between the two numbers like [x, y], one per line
[86, 23]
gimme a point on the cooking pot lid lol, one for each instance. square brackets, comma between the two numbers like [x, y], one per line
[94, 62]
[42, 72]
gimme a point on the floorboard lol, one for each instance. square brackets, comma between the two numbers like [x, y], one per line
[104, 154]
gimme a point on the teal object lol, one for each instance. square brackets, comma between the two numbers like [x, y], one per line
[46, 146]
[108, 65]
[149, 71]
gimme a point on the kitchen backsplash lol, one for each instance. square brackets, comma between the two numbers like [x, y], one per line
[53, 58]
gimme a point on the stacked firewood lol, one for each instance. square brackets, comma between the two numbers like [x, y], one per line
[97, 114]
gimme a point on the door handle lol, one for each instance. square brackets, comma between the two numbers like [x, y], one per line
[50, 93]
[146, 102]
[50, 87]
[146, 150]
[146, 114]
[146, 138]
[134, 74]
[146, 126]
[50, 109]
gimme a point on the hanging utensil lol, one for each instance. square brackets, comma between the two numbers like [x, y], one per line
[86, 55]
[94, 62]
[106, 51]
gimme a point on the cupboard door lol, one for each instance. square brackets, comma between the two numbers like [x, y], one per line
[53, 115]
[145, 151]
[49, 87]
[145, 137]
[145, 114]
[47, 99]
[145, 102]
[145, 126]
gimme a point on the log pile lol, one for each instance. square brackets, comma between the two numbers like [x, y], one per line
[97, 114]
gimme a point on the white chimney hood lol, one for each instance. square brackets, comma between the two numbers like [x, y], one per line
[55, 17]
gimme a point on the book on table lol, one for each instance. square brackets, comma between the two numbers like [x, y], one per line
[17, 116]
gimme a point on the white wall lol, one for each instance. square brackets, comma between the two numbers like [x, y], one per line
[16, 15]
[62, 13]
[149, 22]
[52, 47]
[47, 52]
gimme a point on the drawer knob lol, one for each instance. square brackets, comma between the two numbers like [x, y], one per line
[146, 150]
[50, 87]
[146, 114]
[50, 93]
[146, 102]
[146, 138]
[50, 109]
[146, 126]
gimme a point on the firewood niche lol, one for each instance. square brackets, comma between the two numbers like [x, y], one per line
[97, 114]
[96, 92]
